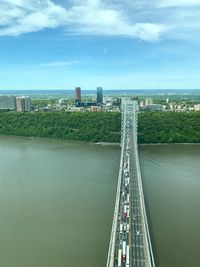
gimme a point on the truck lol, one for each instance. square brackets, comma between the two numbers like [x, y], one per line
[121, 228]
[119, 264]
[127, 198]
[127, 256]
[128, 212]
[127, 228]
[124, 251]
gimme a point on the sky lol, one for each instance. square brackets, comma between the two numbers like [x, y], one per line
[115, 44]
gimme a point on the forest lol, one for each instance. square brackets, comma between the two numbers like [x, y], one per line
[169, 127]
[79, 126]
[153, 127]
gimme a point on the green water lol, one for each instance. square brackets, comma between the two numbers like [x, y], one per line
[56, 202]
[171, 178]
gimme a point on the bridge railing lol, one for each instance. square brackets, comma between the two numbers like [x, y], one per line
[149, 250]
[147, 234]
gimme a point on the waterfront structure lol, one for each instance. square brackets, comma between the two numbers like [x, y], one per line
[7, 102]
[78, 96]
[23, 103]
[99, 96]
[130, 243]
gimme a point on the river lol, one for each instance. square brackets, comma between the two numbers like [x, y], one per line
[57, 200]
[171, 181]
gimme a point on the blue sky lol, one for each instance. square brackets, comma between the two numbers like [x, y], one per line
[140, 44]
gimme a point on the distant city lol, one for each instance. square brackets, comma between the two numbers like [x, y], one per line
[98, 100]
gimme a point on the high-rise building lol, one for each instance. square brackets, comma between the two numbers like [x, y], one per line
[148, 101]
[78, 93]
[99, 96]
[7, 102]
[23, 103]
[78, 96]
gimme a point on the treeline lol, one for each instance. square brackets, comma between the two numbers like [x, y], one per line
[169, 127]
[87, 126]
[153, 127]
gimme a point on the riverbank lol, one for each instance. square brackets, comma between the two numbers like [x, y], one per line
[169, 127]
[167, 144]
[76, 126]
[103, 127]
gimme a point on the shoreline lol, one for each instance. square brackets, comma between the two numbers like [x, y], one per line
[158, 144]
[93, 143]
[107, 144]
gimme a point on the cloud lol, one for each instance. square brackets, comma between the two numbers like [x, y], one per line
[140, 19]
[96, 18]
[93, 17]
[56, 64]
[19, 16]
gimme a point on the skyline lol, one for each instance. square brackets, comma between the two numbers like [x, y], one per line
[63, 44]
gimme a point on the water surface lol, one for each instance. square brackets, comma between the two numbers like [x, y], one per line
[171, 178]
[56, 202]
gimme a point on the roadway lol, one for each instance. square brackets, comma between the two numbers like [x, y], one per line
[130, 241]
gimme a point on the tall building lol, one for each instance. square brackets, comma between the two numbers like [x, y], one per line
[148, 101]
[78, 96]
[99, 96]
[78, 93]
[7, 102]
[23, 103]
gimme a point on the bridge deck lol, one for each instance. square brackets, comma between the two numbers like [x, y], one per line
[130, 244]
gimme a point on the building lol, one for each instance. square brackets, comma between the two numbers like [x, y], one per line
[7, 102]
[117, 102]
[197, 107]
[62, 101]
[148, 101]
[99, 96]
[78, 96]
[154, 107]
[95, 109]
[23, 103]
[141, 104]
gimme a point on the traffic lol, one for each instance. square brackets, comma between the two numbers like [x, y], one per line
[130, 244]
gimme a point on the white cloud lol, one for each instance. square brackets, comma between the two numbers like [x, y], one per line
[19, 16]
[94, 17]
[56, 64]
[140, 19]
[89, 18]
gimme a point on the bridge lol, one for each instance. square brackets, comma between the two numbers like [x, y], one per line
[130, 243]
